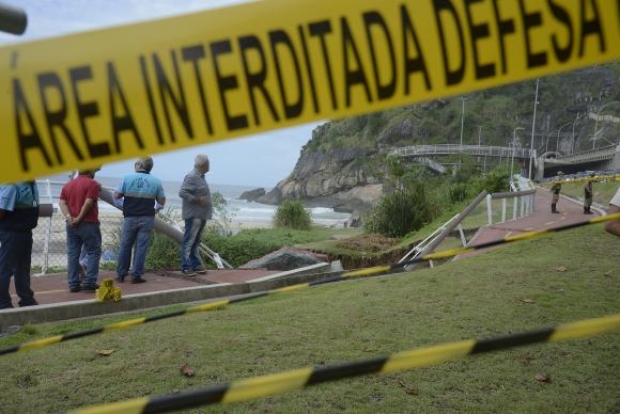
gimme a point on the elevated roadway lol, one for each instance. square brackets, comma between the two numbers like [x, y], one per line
[455, 149]
[603, 158]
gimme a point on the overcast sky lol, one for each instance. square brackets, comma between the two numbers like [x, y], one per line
[257, 160]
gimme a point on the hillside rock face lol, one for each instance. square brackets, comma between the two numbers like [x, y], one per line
[335, 179]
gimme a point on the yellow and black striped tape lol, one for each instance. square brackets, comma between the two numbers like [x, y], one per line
[79, 101]
[257, 387]
[596, 179]
[337, 277]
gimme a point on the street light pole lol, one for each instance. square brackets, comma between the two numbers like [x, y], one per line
[547, 141]
[462, 125]
[573, 141]
[512, 162]
[529, 175]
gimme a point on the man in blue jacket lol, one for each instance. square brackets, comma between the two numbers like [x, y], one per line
[139, 192]
[19, 213]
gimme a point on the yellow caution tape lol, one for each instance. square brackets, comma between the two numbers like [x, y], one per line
[79, 101]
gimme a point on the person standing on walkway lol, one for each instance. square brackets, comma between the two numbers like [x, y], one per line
[588, 195]
[196, 210]
[78, 203]
[139, 192]
[555, 190]
[19, 214]
[613, 226]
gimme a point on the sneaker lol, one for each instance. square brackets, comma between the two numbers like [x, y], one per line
[120, 279]
[137, 280]
[200, 270]
[74, 289]
[90, 288]
[188, 272]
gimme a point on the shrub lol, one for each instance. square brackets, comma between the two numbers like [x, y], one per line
[163, 253]
[457, 192]
[293, 215]
[398, 213]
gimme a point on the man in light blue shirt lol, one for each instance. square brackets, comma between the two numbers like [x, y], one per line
[19, 213]
[139, 192]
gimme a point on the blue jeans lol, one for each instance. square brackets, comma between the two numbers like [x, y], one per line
[191, 242]
[87, 235]
[15, 252]
[136, 230]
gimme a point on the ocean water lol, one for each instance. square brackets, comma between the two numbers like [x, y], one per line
[238, 210]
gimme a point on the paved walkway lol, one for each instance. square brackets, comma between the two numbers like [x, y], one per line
[161, 289]
[53, 288]
[571, 211]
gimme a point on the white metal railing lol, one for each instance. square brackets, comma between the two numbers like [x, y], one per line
[522, 203]
[419, 248]
[449, 149]
[598, 154]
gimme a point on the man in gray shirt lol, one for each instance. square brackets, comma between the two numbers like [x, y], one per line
[196, 210]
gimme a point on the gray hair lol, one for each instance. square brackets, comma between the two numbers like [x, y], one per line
[144, 164]
[200, 160]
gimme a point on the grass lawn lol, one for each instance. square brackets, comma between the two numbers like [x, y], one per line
[522, 286]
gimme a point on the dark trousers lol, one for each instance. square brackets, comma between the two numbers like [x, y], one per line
[15, 252]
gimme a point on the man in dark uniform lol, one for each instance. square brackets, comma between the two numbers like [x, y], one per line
[555, 190]
[19, 213]
[588, 195]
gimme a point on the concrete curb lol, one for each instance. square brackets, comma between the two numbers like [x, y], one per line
[145, 301]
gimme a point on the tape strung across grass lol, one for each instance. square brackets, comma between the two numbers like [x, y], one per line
[338, 276]
[257, 387]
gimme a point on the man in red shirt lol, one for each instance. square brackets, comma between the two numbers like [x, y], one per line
[78, 203]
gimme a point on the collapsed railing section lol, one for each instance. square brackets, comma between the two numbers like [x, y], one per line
[431, 242]
[521, 202]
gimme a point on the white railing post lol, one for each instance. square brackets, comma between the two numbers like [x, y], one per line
[490, 209]
[503, 210]
[463, 239]
[515, 203]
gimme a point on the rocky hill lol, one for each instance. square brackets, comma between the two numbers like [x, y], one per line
[342, 164]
